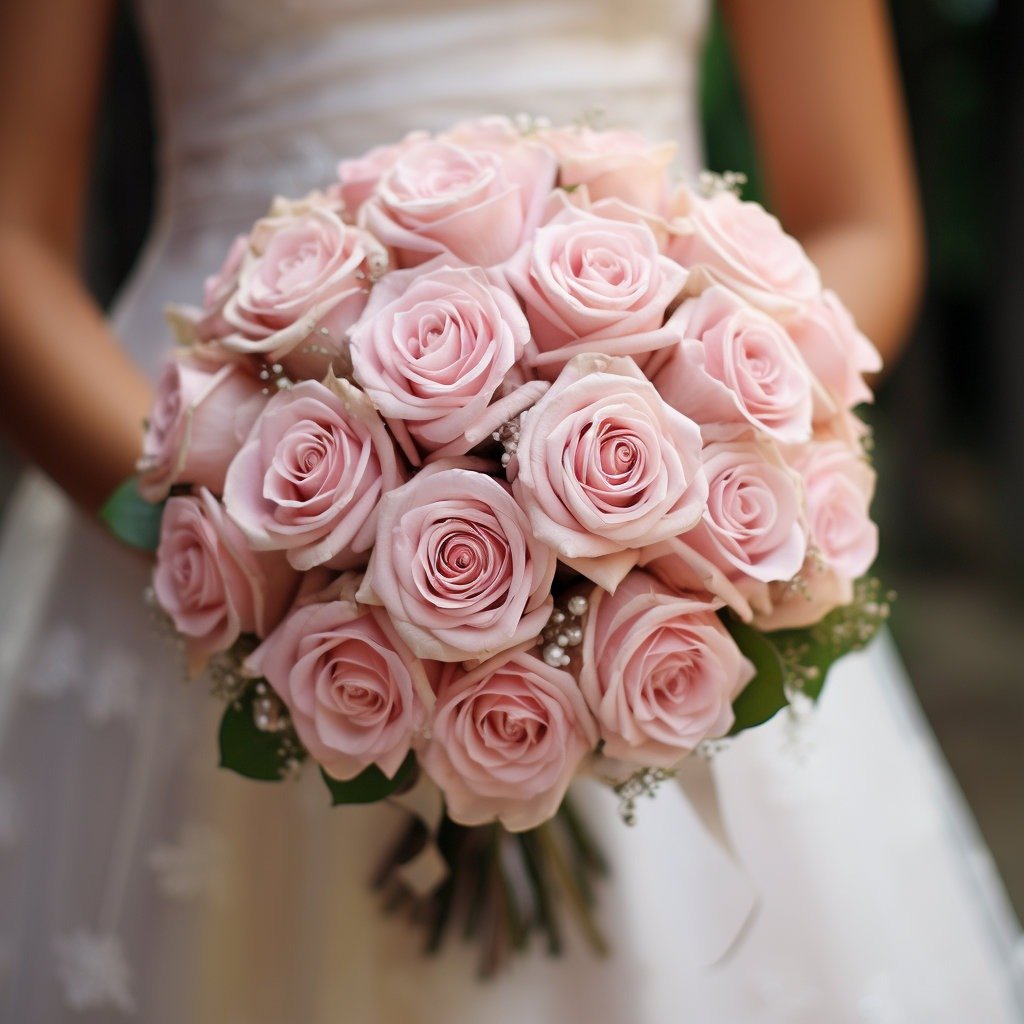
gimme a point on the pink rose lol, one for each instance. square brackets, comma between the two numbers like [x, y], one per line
[356, 694]
[311, 473]
[506, 739]
[478, 202]
[303, 283]
[751, 533]
[200, 416]
[837, 353]
[736, 366]
[433, 348]
[619, 165]
[217, 289]
[752, 523]
[457, 565]
[660, 672]
[740, 245]
[839, 483]
[817, 591]
[604, 467]
[210, 583]
[595, 284]
[358, 177]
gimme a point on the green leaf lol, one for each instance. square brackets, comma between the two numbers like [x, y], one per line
[765, 694]
[800, 659]
[131, 518]
[371, 784]
[808, 654]
[250, 751]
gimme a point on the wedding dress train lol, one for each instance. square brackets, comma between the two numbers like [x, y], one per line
[136, 878]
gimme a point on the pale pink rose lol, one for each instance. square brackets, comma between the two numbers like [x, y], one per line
[492, 131]
[478, 201]
[211, 584]
[818, 591]
[605, 467]
[457, 566]
[752, 531]
[736, 366]
[621, 165]
[199, 419]
[303, 283]
[311, 473]
[837, 353]
[356, 694]
[839, 483]
[217, 289]
[506, 739]
[595, 284]
[740, 245]
[358, 176]
[751, 527]
[660, 672]
[433, 348]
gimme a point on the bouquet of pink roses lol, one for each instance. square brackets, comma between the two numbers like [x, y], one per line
[502, 460]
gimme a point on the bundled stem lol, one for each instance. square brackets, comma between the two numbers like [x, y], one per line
[504, 887]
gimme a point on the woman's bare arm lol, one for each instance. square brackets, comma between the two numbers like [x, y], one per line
[822, 89]
[70, 399]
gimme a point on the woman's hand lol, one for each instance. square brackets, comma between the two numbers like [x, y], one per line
[822, 89]
[69, 396]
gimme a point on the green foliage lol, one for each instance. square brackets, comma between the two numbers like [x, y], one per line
[765, 694]
[131, 518]
[251, 752]
[370, 785]
[800, 659]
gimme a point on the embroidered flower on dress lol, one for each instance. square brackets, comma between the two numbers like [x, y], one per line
[60, 663]
[93, 971]
[114, 688]
[193, 866]
[10, 815]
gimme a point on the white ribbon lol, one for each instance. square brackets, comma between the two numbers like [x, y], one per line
[424, 872]
[724, 893]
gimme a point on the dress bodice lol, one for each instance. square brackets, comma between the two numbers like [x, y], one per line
[262, 96]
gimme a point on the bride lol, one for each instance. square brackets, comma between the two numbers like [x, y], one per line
[138, 879]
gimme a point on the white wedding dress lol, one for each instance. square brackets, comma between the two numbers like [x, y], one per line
[137, 878]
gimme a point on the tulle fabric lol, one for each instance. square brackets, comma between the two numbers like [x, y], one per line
[139, 880]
